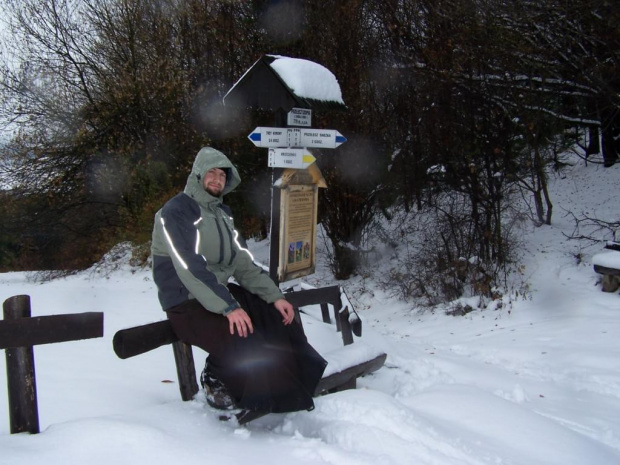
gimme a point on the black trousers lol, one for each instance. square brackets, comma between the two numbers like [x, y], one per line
[274, 369]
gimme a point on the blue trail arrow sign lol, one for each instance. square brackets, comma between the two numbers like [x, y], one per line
[294, 137]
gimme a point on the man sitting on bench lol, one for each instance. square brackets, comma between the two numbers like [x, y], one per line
[259, 358]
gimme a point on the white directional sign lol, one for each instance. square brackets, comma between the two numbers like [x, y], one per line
[294, 137]
[272, 137]
[290, 158]
[323, 138]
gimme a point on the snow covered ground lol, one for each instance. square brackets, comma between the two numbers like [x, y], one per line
[534, 382]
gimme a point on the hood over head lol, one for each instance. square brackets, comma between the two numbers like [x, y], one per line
[206, 159]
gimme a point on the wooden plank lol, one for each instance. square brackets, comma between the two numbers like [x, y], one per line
[608, 271]
[25, 332]
[332, 382]
[329, 295]
[141, 339]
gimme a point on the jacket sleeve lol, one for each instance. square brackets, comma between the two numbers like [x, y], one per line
[252, 277]
[178, 223]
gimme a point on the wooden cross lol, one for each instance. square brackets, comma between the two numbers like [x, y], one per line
[18, 334]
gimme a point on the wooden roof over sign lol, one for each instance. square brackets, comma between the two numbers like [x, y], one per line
[262, 87]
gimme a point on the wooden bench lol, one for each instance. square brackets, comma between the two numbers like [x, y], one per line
[607, 264]
[141, 339]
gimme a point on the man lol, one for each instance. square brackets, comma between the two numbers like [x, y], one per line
[259, 358]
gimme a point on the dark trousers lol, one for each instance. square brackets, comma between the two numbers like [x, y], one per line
[274, 369]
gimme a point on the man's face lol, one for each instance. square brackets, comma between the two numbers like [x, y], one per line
[214, 181]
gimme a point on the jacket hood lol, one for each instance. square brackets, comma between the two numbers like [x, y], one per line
[206, 159]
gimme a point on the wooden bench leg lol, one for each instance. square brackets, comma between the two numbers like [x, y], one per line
[345, 326]
[186, 371]
[610, 283]
[325, 313]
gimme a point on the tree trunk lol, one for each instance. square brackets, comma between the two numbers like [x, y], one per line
[345, 261]
[608, 131]
[594, 145]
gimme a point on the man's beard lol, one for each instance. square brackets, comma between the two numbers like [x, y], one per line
[217, 193]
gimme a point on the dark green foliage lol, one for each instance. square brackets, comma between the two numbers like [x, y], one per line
[449, 102]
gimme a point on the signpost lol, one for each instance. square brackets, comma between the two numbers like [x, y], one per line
[290, 158]
[295, 137]
[293, 250]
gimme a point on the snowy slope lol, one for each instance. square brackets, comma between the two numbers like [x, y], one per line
[536, 382]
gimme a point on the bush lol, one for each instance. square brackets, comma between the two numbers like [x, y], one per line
[434, 259]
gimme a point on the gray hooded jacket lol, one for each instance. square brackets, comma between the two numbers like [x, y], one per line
[196, 249]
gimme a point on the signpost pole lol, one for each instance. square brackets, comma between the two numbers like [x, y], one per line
[274, 233]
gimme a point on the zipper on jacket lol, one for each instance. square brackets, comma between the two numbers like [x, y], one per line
[219, 230]
[232, 247]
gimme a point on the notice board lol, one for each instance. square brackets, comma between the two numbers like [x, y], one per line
[298, 220]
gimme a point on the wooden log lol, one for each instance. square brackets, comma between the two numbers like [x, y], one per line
[24, 332]
[141, 339]
[22, 389]
[186, 370]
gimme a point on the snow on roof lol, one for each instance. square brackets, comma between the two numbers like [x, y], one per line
[307, 79]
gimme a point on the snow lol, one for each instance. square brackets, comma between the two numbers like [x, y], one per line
[607, 259]
[534, 381]
[308, 79]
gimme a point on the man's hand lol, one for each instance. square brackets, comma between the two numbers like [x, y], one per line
[286, 309]
[241, 321]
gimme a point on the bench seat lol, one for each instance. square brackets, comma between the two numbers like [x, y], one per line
[607, 264]
[347, 361]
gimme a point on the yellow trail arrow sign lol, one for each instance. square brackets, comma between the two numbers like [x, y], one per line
[290, 158]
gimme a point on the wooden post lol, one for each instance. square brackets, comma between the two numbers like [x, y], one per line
[23, 409]
[345, 326]
[325, 313]
[274, 233]
[19, 332]
[186, 370]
